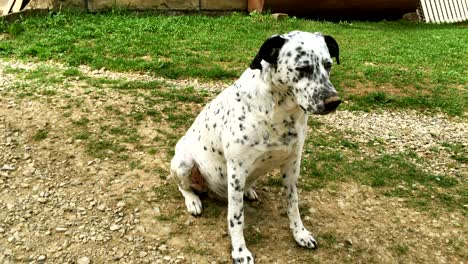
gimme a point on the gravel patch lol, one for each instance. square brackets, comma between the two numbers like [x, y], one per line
[213, 86]
[404, 131]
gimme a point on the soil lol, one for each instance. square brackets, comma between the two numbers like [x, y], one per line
[59, 204]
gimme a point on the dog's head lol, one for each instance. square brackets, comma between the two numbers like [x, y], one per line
[300, 63]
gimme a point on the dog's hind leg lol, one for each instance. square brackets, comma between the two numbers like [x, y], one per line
[182, 167]
[251, 195]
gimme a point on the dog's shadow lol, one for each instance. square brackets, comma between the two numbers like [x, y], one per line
[256, 211]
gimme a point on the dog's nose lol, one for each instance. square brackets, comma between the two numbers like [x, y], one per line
[332, 103]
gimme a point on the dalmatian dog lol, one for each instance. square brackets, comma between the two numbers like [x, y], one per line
[257, 124]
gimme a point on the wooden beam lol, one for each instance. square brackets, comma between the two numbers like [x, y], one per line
[17, 6]
[7, 7]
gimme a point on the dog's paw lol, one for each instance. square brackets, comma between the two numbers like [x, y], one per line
[251, 195]
[304, 238]
[194, 204]
[242, 255]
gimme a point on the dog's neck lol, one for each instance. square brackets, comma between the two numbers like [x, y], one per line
[273, 101]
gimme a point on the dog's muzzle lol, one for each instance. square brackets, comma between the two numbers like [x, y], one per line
[331, 104]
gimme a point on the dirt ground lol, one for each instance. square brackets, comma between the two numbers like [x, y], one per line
[60, 204]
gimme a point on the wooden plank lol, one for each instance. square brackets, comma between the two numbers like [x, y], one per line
[430, 9]
[460, 10]
[448, 11]
[433, 15]
[445, 11]
[453, 14]
[439, 11]
[424, 8]
[456, 10]
[7, 7]
[465, 9]
[17, 6]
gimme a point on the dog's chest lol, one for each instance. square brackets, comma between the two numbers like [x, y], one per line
[269, 160]
[280, 140]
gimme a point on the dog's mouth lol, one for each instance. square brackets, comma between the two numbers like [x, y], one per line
[323, 112]
[329, 106]
[326, 112]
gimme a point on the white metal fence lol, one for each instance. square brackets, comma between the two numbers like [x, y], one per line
[443, 11]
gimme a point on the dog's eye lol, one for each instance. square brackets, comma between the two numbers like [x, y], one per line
[305, 69]
[328, 66]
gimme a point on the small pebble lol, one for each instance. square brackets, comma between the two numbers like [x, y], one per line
[83, 260]
[162, 247]
[61, 229]
[114, 227]
[7, 167]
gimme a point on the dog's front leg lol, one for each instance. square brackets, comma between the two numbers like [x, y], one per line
[237, 174]
[290, 174]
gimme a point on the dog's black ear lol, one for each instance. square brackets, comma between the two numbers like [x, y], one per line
[268, 52]
[333, 48]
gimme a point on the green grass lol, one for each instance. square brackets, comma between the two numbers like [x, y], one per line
[385, 64]
[197, 251]
[252, 236]
[83, 121]
[400, 249]
[394, 175]
[458, 151]
[165, 192]
[40, 134]
[327, 240]
[172, 108]
[101, 148]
